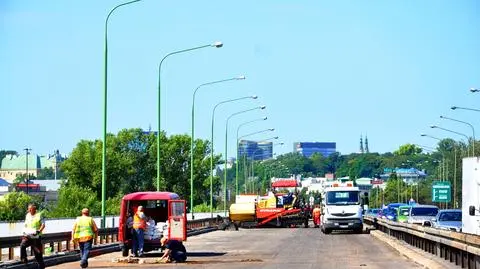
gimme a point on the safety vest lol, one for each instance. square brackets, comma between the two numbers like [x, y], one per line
[316, 212]
[84, 231]
[139, 223]
[32, 223]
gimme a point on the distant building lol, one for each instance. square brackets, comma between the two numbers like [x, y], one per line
[307, 149]
[408, 175]
[255, 150]
[12, 165]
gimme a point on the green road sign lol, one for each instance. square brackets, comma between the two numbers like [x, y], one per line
[441, 192]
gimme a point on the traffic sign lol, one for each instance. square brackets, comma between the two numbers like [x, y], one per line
[441, 192]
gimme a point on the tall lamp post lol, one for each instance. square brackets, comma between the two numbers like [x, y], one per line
[451, 131]
[27, 152]
[193, 131]
[238, 163]
[226, 151]
[105, 87]
[238, 139]
[471, 126]
[217, 44]
[212, 150]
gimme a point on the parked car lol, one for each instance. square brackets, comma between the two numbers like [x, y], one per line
[449, 219]
[390, 214]
[420, 213]
[403, 212]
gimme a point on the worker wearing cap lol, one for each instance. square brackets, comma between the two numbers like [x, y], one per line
[139, 226]
[174, 250]
[316, 216]
[32, 236]
[84, 231]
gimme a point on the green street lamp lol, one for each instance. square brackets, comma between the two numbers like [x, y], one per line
[471, 126]
[464, 108]
[217, 44]
[105, 87]
[451, 131]
[236, 166]
[212, 150]
[226, 150]
[193, 131]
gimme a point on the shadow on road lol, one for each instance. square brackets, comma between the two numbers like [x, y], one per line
[205, 254]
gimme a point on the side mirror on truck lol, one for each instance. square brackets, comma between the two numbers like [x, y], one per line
[471, 210]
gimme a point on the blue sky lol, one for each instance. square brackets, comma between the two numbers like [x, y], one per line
[326, 70]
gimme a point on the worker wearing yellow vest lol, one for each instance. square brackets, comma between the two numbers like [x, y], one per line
[139, 225]
[84, 231]
[32, 236]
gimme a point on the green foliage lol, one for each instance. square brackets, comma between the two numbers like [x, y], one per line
[4, 153]
[408, 150]
[201, 208]
[131, 166]
[112, 205]
[72, 199]
[14, 205]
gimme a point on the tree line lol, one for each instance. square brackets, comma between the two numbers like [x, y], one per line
[131, 167]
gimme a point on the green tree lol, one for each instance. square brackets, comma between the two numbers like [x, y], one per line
[408, 150]
[4, 153]
[72, 199]
[14, 205]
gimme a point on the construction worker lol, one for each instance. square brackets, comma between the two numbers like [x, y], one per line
[32, 236]
[316, 216]
[174, 250]
[139, 225]
[84, 231]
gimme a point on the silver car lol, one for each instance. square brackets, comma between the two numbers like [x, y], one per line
[419, 214]
[449, 219]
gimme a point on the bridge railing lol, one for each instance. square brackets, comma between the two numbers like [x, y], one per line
[460, 249]
[60, 243]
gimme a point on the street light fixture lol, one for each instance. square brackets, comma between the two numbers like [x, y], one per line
[212, 149]
[448, 130]
[471, 126]
[226, 148]
[27, 152]
[217, 44]
[474, 90]
[105, 87]
[236, 166]
[193, 130]
[464, 108]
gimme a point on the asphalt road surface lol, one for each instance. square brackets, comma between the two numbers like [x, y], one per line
[274, 248]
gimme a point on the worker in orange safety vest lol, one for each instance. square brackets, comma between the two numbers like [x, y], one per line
[316, 216]
[139, 225]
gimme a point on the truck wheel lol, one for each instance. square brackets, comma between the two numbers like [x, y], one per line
[327, 231]
[125, 251]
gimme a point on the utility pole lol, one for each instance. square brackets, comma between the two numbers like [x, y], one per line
[27, 150]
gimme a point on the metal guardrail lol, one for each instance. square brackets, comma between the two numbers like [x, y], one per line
[61, 242]
[460, 249]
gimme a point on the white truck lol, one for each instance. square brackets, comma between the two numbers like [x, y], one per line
[342, 208]
[471, 195]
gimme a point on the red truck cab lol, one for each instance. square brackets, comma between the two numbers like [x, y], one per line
[166, 213]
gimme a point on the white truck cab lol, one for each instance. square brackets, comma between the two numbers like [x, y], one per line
[342, 208]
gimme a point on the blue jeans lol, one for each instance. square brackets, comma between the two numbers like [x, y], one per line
[178, 256]
[85, 248]
[137, 241]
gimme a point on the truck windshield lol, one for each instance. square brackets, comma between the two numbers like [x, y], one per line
[342, 198]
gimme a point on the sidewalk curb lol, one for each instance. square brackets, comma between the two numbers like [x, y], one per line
[414, 255]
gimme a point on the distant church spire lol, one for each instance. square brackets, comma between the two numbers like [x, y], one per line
[361, 144]
[366, 144]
